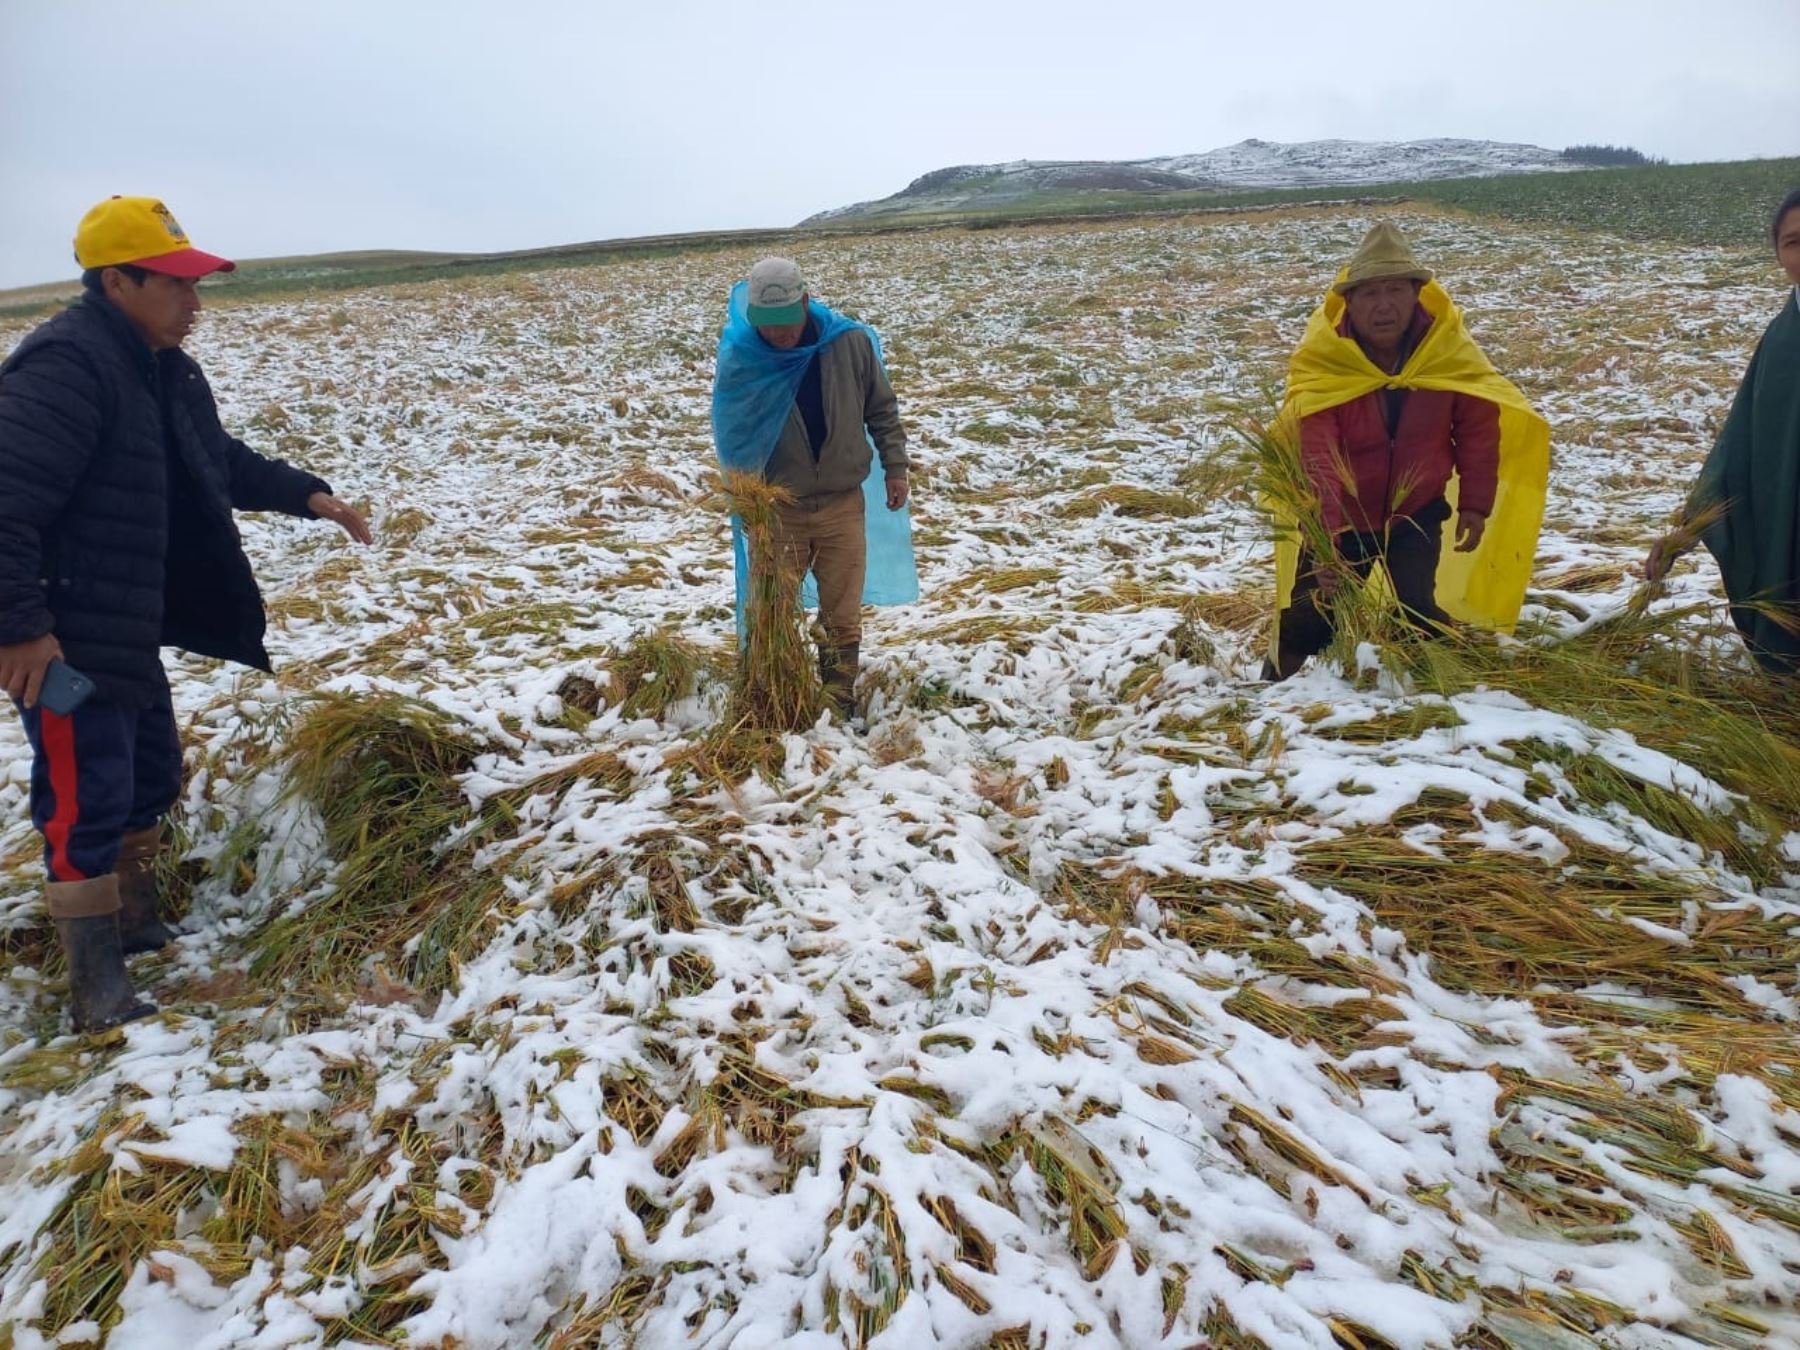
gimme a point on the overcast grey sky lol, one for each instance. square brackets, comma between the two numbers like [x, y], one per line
[273, 127]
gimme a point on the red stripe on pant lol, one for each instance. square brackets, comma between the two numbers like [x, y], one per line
[58, 733]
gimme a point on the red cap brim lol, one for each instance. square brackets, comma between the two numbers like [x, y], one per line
[186, 262]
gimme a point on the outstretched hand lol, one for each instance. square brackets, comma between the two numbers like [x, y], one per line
[898, 490]
[327, 507]
[1470, 526]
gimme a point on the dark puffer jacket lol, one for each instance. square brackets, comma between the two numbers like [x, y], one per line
[117, 485]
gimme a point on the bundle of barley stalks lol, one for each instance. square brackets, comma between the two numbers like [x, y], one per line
[777, 686]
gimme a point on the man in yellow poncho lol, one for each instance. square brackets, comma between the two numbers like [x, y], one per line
[1402, 425]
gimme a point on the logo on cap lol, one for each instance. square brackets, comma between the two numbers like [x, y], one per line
[172, 225]
[775, 293]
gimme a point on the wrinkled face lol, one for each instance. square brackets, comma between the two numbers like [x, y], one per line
[785, 337]
[1787, 244]
[163, 308]
[1380, 310]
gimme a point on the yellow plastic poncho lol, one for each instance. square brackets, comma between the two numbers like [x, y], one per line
[1487, 586]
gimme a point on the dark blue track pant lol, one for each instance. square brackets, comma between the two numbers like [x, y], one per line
[98, 774]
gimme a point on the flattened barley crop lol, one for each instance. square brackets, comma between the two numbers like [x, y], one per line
[547, 987]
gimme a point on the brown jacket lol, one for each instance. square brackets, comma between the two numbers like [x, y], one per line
[856, 393]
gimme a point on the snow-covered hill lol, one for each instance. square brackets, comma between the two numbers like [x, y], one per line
[1274, 164]
[1248, 164]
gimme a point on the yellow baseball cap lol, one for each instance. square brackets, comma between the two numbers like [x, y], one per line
[142, 232]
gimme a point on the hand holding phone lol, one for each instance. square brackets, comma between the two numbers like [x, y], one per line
[65, 688]
[23, 666]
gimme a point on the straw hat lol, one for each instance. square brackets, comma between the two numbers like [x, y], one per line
[1384, 252]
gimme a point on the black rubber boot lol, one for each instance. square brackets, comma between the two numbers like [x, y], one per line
[1285, 667]
[838, 667]
[86, 914]
[141, 928]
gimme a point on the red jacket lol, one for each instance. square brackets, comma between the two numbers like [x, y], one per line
[1396, 474]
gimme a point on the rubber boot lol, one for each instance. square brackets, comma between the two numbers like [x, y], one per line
[1285, 666]
[86, 914]
[838, 668]
[141, 928]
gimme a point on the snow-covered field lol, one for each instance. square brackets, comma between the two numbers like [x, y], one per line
[1094, 995]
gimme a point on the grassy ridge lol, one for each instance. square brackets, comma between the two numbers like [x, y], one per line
[1719, 204]
[258, 278]
[1725, 205]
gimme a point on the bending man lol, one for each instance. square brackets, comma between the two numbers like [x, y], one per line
[801, 396]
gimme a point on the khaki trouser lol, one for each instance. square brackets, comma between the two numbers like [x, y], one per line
[825, 535]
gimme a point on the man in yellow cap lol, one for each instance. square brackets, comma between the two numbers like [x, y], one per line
[116, 539]
[1380, 447]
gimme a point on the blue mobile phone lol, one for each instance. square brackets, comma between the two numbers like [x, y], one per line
[65, 688]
